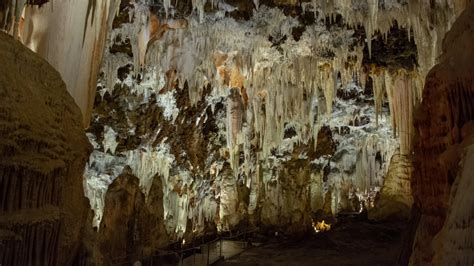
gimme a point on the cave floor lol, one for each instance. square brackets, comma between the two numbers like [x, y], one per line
[352, 243]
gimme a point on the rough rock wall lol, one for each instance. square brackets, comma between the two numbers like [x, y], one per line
[444, 132]
[453, 244]
[43, 150]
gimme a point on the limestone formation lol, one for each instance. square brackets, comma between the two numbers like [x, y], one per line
[43, 150]
[395, 198]
[442, 177]
[69, 35]
[131, 228]
[216, 116]
[245, 127]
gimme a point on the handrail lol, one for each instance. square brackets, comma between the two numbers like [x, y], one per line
[178, 253]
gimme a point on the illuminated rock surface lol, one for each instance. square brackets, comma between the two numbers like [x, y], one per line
[217, 116]
[261, 118]
[69, 35]
[43, 151]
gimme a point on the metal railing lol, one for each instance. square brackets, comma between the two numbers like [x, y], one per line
[204, 254]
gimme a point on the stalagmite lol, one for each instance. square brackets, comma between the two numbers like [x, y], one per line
[395, 199]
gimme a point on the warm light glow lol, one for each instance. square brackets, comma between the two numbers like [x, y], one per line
[321, 226]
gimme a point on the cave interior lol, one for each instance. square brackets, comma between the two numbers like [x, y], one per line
[236, 132]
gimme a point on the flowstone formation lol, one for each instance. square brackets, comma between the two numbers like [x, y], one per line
[442, 183]
[246, 114]
[43, 151]
[63, 32]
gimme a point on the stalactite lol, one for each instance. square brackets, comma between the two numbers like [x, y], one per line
[378, 79]
[405, 95]
[389, 89]
[141, 35]
[146, 164]
[369, 167]
[269, 84]
[327, 74]
[10, 17]
[371, 22]
[71, 32]
[235, 110]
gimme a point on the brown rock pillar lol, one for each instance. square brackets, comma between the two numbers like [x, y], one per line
[43, 150]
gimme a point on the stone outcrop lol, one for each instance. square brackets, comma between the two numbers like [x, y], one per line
[454, 243]
[132, 228]
[442, 181]
[395, 198]
[118, 230]
[43, 150]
